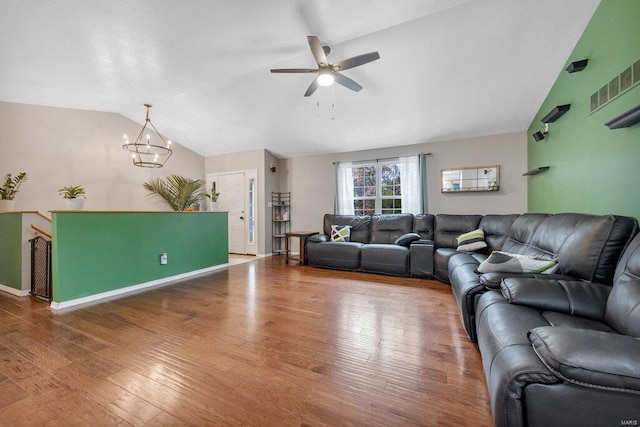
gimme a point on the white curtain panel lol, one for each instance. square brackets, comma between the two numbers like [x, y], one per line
[344, 190]
[410, 184]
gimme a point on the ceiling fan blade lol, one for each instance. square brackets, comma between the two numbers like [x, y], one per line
[356, 61]
[294, 70]
[318, 51]
[347, 82]
[312, 87]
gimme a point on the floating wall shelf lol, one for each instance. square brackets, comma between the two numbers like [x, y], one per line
[556, 113]
[536, 171]
[576, 66]
[625, 120]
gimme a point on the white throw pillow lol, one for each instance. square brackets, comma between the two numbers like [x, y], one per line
[340, 233]
[504, 262]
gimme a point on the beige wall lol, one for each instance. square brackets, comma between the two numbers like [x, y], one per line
[59, 147]
[311, 180]
[259, 160]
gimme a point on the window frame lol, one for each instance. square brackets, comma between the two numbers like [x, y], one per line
[378, 199]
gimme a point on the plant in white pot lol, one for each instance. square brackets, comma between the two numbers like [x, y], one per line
[213, 196]
[74, 196]
[8, 190]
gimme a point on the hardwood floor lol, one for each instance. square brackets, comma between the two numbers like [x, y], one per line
[260, 343]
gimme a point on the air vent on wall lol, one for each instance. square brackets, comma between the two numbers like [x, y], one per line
[616, 87]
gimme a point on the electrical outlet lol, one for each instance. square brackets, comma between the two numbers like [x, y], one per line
[164, 259]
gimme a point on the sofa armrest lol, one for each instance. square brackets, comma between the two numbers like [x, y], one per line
[318, 238]
[579, 298]
[592, 358]
[423, 242]
[493, 279]
[421, 259]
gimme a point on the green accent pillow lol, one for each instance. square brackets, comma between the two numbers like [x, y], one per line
[505, 262]
[340, 233]
[471, 241]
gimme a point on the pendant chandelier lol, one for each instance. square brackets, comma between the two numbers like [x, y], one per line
[144, 152]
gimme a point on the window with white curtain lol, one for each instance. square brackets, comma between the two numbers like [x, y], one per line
[379, 187]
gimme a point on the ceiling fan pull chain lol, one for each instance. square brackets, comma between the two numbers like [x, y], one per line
[318, 109]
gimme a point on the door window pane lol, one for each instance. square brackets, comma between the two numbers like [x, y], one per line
[251, 234]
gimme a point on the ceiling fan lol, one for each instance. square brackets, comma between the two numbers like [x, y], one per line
[328, 73]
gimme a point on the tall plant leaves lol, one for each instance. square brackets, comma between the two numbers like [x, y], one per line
[177, 191]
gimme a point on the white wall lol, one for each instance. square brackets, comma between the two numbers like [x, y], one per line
[311, 180]
[59, 147]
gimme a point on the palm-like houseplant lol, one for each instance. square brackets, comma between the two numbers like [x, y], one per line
[8, 189]
[177, 191]
[11, 185]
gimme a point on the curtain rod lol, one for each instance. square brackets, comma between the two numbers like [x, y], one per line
[378, 160]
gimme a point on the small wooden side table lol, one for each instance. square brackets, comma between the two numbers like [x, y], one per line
[303, 236]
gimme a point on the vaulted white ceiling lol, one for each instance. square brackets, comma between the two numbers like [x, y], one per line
[448, 68]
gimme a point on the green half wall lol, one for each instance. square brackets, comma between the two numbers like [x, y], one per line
[98, 252]
[592, 169]
[11, 250]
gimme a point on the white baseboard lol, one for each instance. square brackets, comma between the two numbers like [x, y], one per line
[13, 291]
[133, 288]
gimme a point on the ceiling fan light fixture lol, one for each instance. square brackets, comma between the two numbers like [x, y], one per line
[329, 73]
[325, 78]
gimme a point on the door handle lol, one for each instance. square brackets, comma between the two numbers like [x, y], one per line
[242, 217]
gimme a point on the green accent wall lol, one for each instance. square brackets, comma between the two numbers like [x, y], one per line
[11, 250]
[96, 252]
[592, 169]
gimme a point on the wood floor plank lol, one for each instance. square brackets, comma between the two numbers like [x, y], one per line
[29, 412]
[166, 419]
[32, 351]
[133, 409]
[261, 343]
[11, 391]
[79, 409]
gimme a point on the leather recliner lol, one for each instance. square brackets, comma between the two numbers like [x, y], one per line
[564, 352]
[587, 247]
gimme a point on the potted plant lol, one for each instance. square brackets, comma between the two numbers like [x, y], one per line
[177, 191]
[213, 196]
[10, 186]
[72, 195]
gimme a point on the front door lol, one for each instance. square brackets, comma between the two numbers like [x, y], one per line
[237, 198]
